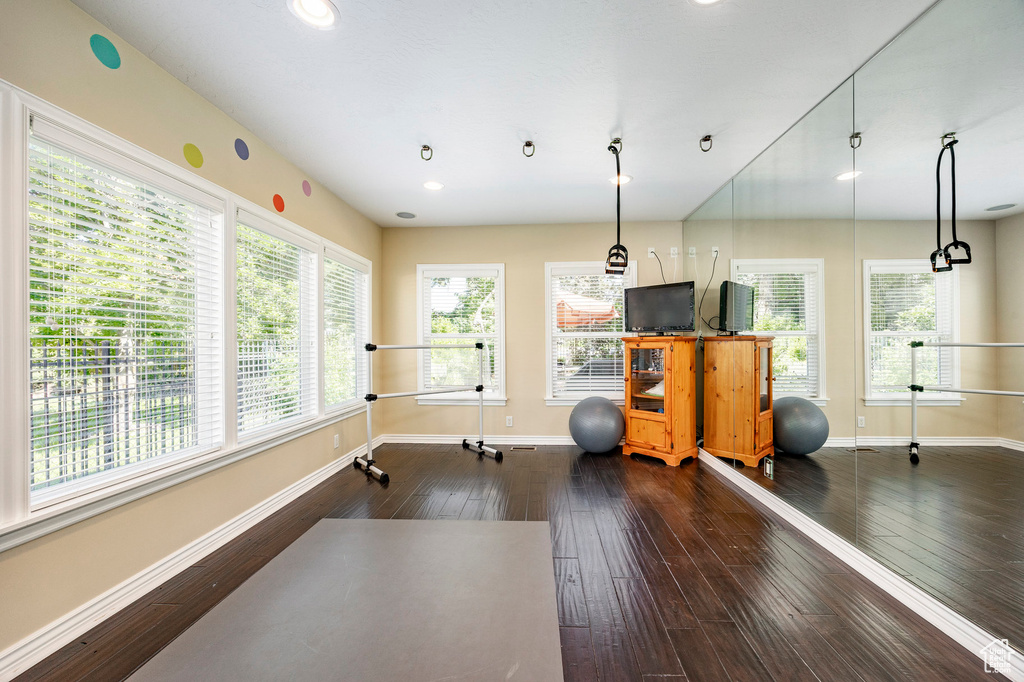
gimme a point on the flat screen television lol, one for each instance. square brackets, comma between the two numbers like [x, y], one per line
[660, 309]
[736, 307]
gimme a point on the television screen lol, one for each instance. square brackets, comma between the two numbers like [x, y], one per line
[736, 307]
[660, 309]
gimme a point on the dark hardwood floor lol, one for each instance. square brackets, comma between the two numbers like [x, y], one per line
[952, 525]
[662, 573]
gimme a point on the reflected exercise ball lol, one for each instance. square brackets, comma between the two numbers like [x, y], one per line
[596, 424]
[800, 426]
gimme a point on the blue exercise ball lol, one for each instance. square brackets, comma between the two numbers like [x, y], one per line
[596, 424]
[800, 426]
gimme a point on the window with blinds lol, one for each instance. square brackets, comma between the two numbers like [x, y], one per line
[345, 313]
[124, 315]
[585, 325]
[905, 301]
[788, 306]
[462, 304]
[276, 317]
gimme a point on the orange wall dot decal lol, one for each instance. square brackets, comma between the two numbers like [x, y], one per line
[193, 155]
[278, 203]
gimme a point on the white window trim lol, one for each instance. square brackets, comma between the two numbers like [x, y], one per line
[897, 265]
[810, 266]
[21, 518]
[574, 268]
[495, 398]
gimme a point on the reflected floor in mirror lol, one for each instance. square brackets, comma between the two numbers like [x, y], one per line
[660, 573]
[951, 525]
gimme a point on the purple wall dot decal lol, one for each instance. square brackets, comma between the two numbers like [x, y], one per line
[242, 149]
[105, 51]
[306, 188]
[193, 155]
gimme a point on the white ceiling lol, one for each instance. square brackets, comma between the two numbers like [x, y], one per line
[475, 79]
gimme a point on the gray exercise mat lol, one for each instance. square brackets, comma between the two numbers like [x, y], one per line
[384, 600]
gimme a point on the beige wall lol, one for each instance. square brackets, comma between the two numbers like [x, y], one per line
[44, 49]
[1010, 323]
[523, 250]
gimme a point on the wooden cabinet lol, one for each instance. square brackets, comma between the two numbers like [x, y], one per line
[661, 410]
[738, 397]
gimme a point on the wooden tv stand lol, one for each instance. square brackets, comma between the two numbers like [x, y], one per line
[661, 410]
[738, 417]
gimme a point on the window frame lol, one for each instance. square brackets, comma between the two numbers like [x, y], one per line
[53, 132]
[814, 267]
[23, 517]
[909, 265]
[569, 268]
[423, 270]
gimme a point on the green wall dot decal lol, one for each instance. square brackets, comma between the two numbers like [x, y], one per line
[105, 51]
[193, 155]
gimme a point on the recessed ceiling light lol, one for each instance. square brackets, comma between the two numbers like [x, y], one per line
[405, 214]
[433, 185]
[705, 2]
[623, 179]
[321, 14]
[848, 175]
[1000, 207]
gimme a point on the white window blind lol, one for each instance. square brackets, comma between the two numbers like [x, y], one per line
[905, 301]
[462, 304]
[788, 306]
[124, 317]
[585, 323]
[346, 316]
[276, 328]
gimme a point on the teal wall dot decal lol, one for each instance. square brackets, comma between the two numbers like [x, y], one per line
[193, 155]
[105, 51]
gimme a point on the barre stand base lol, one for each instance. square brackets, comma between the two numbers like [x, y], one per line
[480, 449]
[914, 459]
[369, 466]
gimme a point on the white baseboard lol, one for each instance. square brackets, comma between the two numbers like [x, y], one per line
[961, 630]
[37, 646]
[1012, 444]
[972, 441]
[843, 442]
[489, 440]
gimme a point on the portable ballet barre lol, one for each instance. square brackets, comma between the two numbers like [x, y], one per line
[916, 388]
[367, 463]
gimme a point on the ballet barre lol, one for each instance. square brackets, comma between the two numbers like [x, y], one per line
[916, 388]
[367, 462]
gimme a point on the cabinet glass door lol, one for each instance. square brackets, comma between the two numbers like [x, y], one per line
[647, 379]
[764, 380]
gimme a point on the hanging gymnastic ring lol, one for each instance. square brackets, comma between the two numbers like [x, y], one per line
[423, 152]
[706, 138]
[532, 147]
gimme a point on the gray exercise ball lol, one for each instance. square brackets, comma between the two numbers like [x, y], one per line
[800, 426]
[596, 424]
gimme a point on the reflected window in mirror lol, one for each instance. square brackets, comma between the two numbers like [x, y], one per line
[788, 306]
[905, 301]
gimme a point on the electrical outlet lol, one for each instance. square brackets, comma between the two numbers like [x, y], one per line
[693, 252]
[860, 422]
[508, 421]
[337, 441]
[714, 251]
[673, 252]
[650, 252]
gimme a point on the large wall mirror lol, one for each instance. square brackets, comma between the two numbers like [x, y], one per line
[833, 226]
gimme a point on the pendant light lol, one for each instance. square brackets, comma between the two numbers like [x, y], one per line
[618, 257]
